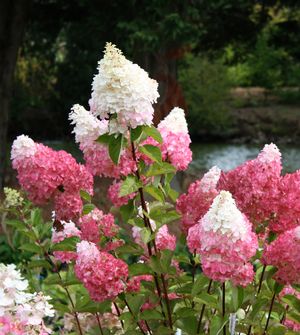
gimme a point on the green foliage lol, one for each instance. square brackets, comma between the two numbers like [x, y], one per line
[206, 88]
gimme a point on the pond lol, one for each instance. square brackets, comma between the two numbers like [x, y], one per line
[228, 156]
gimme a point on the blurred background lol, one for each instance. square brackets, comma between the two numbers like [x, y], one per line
[233, 65]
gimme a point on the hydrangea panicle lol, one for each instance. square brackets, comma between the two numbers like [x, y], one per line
[123, 89]
[102, 274]
[68, 230]
[226, 242]
[176, 139]
[196, 202]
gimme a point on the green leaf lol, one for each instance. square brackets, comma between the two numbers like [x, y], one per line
[207, 299]
[278, 330]
[169, 217]
[145, 235]
[155, 192]
[135, 302]
[32, 247]
[130, 185]
[293, 316]
[136, 133]
[185, 312]
[39, 264]
[19, 225]
[87, 208]
[104, 139]
[127, 211]
[216, 325]
[292, 301]
[60, 307]
[93, 307]
[199, 285]
[158, 169]
[68, 244]
[115, 147]
[173, 194]
[137, 269]
[36, 217]
[257, 307]
[53, 280]
[153, 132]
[151, 314]
[152, 152]
[188, 325]
[237, 297]
[85, 195]
[132, 249]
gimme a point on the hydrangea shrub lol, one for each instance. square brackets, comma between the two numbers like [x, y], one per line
[223, 258]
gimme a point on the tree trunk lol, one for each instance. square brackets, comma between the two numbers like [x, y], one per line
[13, 17]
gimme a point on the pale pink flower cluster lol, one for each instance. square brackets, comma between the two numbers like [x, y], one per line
[226, 242]
[123, 89]
[254, 184]
[176, 139]
[68, 230]
[97, 224]
[165, 240]
[102, 274]
[134, 283]
[44, 174]
[196, 202]
[21, 313]
[113, 194]
[284, 253]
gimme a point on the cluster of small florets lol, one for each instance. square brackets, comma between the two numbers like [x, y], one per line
[176, 139]
[196, 202]
[44, 174]
[284, 253]
[96, 224]
[21, 312]
[102, 274]
[68, 230]
[124, 90]
[254, 184]
[226, 242]
[13, 198]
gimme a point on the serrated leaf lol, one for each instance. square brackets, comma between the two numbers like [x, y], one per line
[127, 210]
[31, 247]
[136, 133]
[130, 185]
[85, 195]
[139, 269]
[39, 264]
[135, 302]
[16, 224]
[145, 235]
[60, 307]
[152, 152]
[105, 138]
[237, 297]
[153, 132]
[87, 208]
[114, 148]
[68, 244]
[207, 299]
[199, 284]
[169, 217]
[53, 280]
[292, 301]
[151, 315]
[155, 192]
[160, 168]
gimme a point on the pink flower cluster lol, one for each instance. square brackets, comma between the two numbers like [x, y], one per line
[113, 194]
[99, 163]
[225, 242]
[69, 230]
[254, 184]
[284, 253]
[96, 224]
[103, 275]
[196, 202]
[44, 174]
[134, 283]
[176, 139]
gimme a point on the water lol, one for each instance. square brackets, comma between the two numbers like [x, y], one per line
[228, 156]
